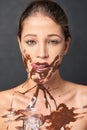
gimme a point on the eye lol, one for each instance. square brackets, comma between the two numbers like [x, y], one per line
[54, 42]
[31, 42]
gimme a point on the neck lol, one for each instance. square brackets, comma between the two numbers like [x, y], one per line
[55, 82]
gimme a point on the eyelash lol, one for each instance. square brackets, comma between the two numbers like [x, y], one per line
[32, 42]
[54, 42]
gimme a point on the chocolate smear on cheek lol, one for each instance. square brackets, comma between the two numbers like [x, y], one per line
[42, 77]
[26, 59]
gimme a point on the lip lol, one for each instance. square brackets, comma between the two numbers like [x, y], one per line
[40, 66]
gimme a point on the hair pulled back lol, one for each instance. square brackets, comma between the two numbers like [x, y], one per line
[48, 8]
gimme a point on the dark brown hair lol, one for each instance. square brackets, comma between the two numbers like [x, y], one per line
[48, 8]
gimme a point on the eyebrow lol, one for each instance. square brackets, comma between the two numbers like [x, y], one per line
[49, 35]
[30, 35]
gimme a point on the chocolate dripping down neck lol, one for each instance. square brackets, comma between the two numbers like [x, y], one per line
[40, 78]
[45, 93]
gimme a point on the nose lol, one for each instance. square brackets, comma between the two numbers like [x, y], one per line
[42, 52]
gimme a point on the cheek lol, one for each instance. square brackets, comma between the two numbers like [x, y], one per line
[26, 50]
[29, 51]
[61, 48]
[26, 58]
[58, 50]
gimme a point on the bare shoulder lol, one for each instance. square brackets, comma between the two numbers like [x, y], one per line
[6, 98]
[4, 95]
[79, 88]
[80, 92]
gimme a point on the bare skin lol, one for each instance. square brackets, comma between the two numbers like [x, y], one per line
[65, 108]
[71, 94]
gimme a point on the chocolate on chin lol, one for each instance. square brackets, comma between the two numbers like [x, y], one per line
[41, 73]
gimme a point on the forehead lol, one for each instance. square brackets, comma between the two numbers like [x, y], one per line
[40, 23]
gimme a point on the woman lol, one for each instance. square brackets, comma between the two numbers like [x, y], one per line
[45, 101]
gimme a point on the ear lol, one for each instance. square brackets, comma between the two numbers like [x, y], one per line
[67, 44]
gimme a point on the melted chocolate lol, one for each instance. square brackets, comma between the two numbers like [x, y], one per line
[26, 59]
[41, 77]
[59, 118]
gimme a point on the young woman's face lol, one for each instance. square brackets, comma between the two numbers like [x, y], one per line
[42, 41]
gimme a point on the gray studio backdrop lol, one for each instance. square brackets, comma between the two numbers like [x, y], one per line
[74, 66]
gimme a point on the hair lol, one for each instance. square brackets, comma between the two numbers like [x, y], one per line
[48, 8]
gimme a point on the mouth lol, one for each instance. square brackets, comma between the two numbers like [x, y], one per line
[40, 67]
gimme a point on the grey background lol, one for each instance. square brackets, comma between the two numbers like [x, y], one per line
[74, 66]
